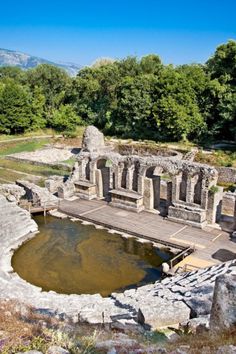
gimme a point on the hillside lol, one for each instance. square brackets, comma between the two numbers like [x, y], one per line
[26, 61]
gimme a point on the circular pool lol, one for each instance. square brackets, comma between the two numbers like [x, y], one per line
[70, 258]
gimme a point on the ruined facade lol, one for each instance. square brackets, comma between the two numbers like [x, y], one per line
[162, 183]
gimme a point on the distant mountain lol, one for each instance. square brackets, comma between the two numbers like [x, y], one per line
[26, 61]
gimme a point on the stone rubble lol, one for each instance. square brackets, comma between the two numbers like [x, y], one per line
[12, 192]
[38, 195]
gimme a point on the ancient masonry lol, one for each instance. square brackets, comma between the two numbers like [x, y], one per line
[166, 302]
[163, 183]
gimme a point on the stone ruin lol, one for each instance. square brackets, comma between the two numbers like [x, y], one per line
[176, 188]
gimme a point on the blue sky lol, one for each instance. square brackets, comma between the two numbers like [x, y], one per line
[180, 31]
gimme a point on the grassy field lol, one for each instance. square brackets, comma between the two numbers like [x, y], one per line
[25, 167]
[22, 146]
[217, 158]
[10, 170]
[7, 176]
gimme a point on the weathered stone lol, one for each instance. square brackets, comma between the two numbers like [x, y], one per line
[53, 183]
[124, 343]
[12, 192]
[11, 198]
[37, 195]
[200, 305]
[226, 349]
[66, 190]
[118, 311]
[55, 349]
[30, 352]
[223, 312]
[130, 180]
[184, 349]
[112, 351]
[196, 325]
[93, 139]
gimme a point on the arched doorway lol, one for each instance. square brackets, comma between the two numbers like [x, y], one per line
[103, 179]
[158, 189]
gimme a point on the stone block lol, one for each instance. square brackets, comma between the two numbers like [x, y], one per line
[223, 312]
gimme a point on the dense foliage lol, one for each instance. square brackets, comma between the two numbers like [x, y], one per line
[129, 98]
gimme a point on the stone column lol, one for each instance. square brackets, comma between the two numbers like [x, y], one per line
[129, 178]
[118, 174]
[141, 177]
[204, 195]
[176, 180]
[112, 177]
[148, 197]
[83, 164]
[168, 193]
[99, 183]
[93, 172]
[156, 187]
[190, 189]
[214, 200]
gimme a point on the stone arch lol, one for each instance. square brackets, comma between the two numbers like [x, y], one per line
[158, 189]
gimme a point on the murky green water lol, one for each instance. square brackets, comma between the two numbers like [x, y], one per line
[71, 258]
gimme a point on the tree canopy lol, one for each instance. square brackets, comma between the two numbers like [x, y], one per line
[137, 98]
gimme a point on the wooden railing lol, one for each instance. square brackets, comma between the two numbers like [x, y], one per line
[40, 207]
[181, 256]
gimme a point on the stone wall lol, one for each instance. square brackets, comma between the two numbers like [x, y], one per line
[226, 175]
[186, 192]
[163, 303]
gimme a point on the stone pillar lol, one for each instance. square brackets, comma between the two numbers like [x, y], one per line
[141, 177]
[190, 189]
[129, 178]
[228, 212]
[204, 195]
[148, 197]
[176, 180]
[93, 172]
[168, 193]
[83, 164]
[214, 200]
[118, 174]
[156, 181]
[99, 183]
[112, 170]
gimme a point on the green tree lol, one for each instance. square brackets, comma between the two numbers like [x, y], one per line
[151, 64]
[134, 116]
[53, 83]
[223, 63]
[38, 120]
[65, 119]
[15, 109]
[178, 121]
[12, 72]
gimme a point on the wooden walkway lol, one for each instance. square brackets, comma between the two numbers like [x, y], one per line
[151, 226]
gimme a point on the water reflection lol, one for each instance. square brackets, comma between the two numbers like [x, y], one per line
[71, 258]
